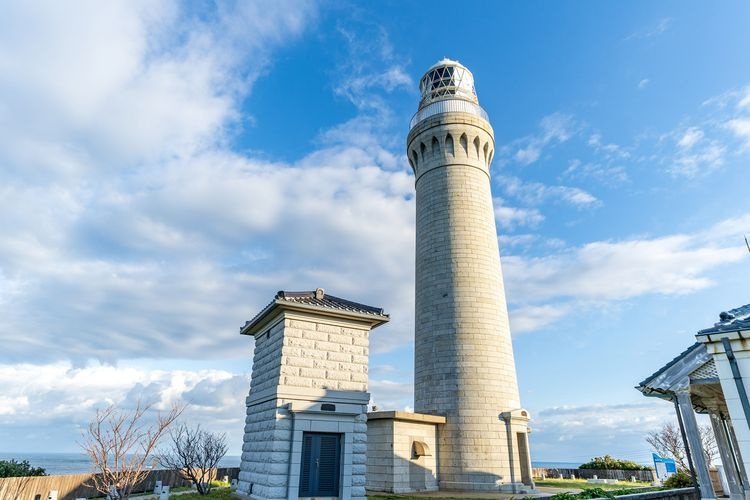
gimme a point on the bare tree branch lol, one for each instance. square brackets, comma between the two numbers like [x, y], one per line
[668, 443]
[195, 453]
[708, 440]
[120, 444]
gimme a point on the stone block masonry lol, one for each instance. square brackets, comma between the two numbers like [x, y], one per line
[309, 378]
[402, 451]
[464, 367]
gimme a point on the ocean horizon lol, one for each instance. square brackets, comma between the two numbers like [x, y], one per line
[58, 464]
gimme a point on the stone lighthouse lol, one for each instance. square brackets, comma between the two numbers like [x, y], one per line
[464, 368]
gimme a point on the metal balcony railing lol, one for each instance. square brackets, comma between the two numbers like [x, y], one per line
[447, 106]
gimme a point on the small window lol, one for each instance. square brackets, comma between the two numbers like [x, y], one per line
[449, 145]
[420, 449]
[464, 144]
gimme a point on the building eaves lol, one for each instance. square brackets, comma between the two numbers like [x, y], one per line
[320, 301]
[644, 384]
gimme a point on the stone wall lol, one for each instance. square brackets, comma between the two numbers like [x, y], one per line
[329, 355]
[464, 365]
[265, 451]
[309, 375]
[380, 455]
[392, 465]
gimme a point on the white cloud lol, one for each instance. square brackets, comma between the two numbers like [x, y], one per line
[579, 433]
[659, 28]
[528, 154]
[535, 193]
[744, 98]
[739, 99]
[643, 83]
[65, 397]
[371, 68]
[695, 162]
[691, 136]
[392, 394]
[168, 234]
[606, 174]
[720, 136]
[740, 127]
[526, 241]
[610, 271]
[608, 150]
[527, 319]
[696, 155]
[213, 236]
[544, 289]
[556, 128]
[127, 82]
[511, 217]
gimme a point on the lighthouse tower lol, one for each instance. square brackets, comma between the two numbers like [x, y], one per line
[464, 366]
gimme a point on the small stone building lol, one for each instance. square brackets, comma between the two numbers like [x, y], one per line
[402, 451]
[305, 430]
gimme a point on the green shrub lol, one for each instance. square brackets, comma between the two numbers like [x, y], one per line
[11, 468]
[680, 479]
[607, 462]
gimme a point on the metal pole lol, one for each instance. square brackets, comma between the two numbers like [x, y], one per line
[735, 458]
[687, 446]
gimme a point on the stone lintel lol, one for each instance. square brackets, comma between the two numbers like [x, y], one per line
[406, 416]
[519, 416]
[308, 394]
[317, 407]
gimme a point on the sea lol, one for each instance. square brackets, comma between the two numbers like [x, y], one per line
[56, 464]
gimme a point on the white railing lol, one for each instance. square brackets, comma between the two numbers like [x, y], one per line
[447, 106]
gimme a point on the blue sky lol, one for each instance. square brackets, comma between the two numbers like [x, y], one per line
[165, 168]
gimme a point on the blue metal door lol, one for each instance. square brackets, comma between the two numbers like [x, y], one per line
[321, 465]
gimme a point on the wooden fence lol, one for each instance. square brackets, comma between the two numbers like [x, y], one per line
[72, 486]
[621, 475]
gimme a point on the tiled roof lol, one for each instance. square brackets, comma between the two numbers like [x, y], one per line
[664, 368]
[321, 299]
[318, 298]
[731, 321]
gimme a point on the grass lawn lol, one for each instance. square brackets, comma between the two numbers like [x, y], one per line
[583, 485]
[222, 493]
[216, 494]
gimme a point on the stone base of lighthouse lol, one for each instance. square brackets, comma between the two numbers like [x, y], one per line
[410, 452]
[499, 461]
